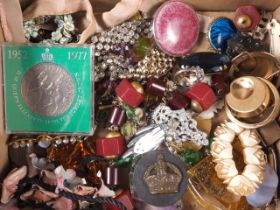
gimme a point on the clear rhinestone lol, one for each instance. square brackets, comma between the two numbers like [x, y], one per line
[107, 47]
[29, 144]
[110, 61]
[108, 40]
[99, 46]
[94, 39]
[44, 144]
[58, 142]
[65, 141]
[72, 139]
[103, 66]
[15, 145]
[22, 144]
[102, 39]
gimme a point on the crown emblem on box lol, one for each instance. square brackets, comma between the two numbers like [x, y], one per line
[47, 56]
[162, 177]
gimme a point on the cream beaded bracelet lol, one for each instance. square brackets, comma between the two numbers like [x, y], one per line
[245, 183]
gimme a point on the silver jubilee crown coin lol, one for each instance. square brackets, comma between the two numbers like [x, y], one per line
[48, 89]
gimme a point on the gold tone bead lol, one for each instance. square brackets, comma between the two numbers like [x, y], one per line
[138, 87]
[196, 106]
[112, 134]
[244, 21]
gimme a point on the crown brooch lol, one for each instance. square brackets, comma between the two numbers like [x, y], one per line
[162, 177]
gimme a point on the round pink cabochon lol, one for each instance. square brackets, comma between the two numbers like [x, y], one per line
[176, 28]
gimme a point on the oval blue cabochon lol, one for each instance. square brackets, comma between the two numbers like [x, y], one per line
[220, 31]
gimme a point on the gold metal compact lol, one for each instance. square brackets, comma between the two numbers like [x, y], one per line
[252, 102]
[259, 64]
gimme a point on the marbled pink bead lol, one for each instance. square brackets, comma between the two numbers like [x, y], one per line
[176, 28]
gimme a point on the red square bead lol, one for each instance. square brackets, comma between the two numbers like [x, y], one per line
[128, 94]
[126, 198]
[178, 101]
[203, 94]
[114, 146]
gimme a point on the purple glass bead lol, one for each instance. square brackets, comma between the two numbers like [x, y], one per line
[120, 49]
[125, 51]
[155, 87]
[117, 116]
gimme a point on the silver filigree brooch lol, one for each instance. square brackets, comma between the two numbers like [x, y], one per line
[178, 125]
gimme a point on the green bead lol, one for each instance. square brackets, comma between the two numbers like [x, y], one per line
[191, 156]
[128, 129]
[123, 161]
[142, 46]
[130, 113]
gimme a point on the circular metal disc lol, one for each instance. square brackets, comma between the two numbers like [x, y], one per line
[48, 89]
[140, 189]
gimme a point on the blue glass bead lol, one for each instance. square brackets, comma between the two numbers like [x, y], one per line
[210, 62]
[220, 31]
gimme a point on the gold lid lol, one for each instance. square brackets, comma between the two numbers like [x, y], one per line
[248, 97]
[263, 119]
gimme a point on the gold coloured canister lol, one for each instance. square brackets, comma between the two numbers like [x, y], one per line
[259, 64]
[263, 119]
[248, 97]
